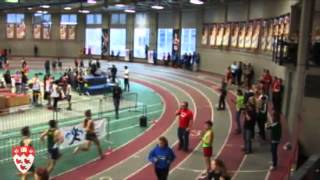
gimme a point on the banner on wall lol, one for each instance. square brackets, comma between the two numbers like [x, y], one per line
[71, 32]
[105, 42]
[248, 38]
[256, 34]
[213, 35]
[176, 43]
[37, 31]
[276, 27]
[286, 25]
[10, 31]
[281, 26]
[21, 30]
[46, 31]
[264, 36]
[270, 36]
[220, 35]
[242, 36]
[226, 36]
[204, 36]
[235, 35]
[63, 32]
[75, 135]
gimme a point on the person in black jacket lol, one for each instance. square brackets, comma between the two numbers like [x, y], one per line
[275, 127]
[223, 95]
[117, 93]
[248, 128]
[113, 73]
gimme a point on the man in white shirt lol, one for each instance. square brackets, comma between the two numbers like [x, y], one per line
[126, 79]
[36, 87]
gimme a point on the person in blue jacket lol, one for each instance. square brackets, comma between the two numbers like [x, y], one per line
[161, 157]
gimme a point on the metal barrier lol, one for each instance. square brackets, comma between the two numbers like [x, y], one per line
[310, 170]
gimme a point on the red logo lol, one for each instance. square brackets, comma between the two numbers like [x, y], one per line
[23, 157]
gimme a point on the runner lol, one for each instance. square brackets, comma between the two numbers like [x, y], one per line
[91, 136]
[54, 139]
[26, 141]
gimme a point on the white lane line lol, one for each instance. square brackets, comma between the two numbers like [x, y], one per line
[176, 142]
[93, 160]
[124, 160]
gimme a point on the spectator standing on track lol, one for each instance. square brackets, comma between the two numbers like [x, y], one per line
[36, 89]
[185, 124]
[223, 95]
[59, 64]
[275, 127]
[239, 107]
[248, 127]
[7, 79]
[218, 171]
[18, 82]
[161, 157]
[54, 65]
[35, 51]
[239, 73]
[207, 143]
[113, 73]
[116, 94]
[234, 70]
[126, 79]
[91, 136]
[276, 94]
[262, 116]
[47, 88]
[47, 66]
[54, 139]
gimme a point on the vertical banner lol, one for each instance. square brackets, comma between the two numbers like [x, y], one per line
[281, 26]
[248, 37]
[105, 43]
[46, 31]
[276, 27]
[220, 35]
[286, 25]
[10, 31]
[71, 32]
[175, 43]
[242, 35]
[204, 36]
[264, 37]
[235, 35]
[256, 34]
[270, 36]
[37, 31]
[63, 32]
[213, 35]
[21, 30]
[226, 36]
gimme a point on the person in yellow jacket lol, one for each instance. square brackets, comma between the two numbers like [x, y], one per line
[207, 142]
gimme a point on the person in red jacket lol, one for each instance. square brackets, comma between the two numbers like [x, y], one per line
[185, 123]
[267, 82]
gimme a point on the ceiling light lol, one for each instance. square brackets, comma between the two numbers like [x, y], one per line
[39, 12]
[158, 7]
[198, 2]
[83, 11]
[120, 5]
[129, 10]
[45, 6]
[44, 12]
[91, 1]
[29, 8]
[67, 8]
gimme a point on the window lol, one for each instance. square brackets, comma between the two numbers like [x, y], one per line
[93, 40]
[68, 19]
[16, 27]
[141, 39]
[188, 40]
[41, 26]
[118, 18]
[117, 41]
[15, 18]
[94, 19]
[164, 42]
[41, 19]
[141, 20]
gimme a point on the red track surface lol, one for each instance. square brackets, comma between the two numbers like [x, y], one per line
[95, 167]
